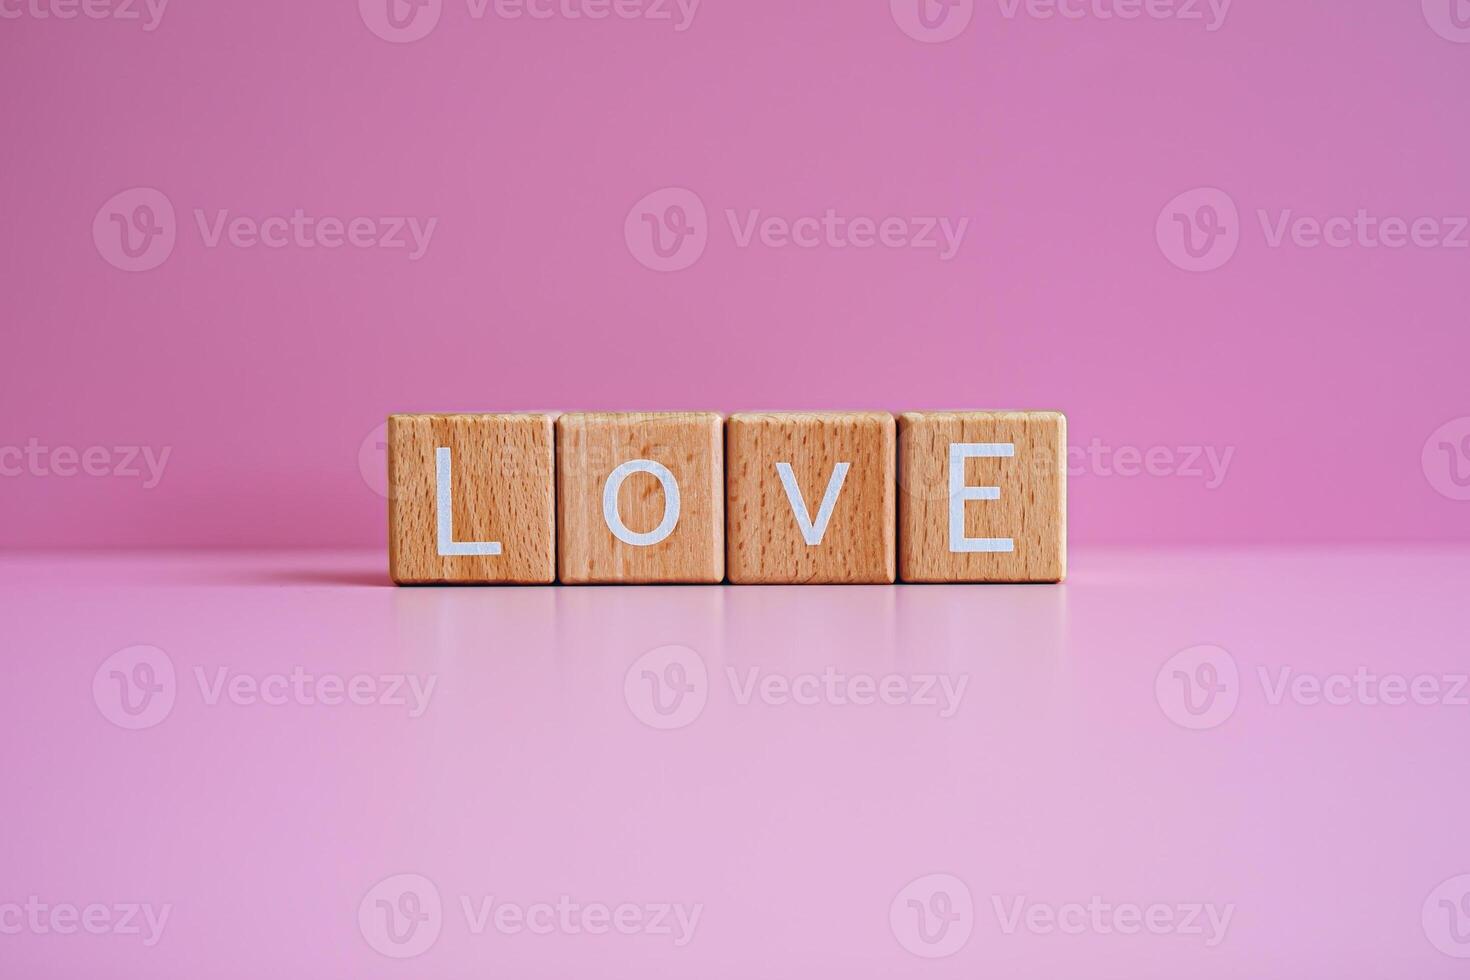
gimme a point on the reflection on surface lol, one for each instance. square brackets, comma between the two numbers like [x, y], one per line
[812, 766]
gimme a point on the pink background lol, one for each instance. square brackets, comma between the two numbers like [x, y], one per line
[1325, 369]
[1119, 737]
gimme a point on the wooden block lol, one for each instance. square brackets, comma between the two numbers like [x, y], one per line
[640, 497]
[497, 473]
[982, 497]
[810, 497]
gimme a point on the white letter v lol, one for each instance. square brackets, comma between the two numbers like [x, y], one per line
[812, 532]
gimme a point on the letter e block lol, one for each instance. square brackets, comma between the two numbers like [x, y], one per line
[810, 497]
[982, 497]
[640, 497]
[472, 499]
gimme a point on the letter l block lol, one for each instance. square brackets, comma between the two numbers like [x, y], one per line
[472, 499]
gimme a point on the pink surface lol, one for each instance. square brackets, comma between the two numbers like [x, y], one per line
[1066, 154]
[1076, 761]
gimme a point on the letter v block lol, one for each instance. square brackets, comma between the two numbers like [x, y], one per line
[640, 497]
[982, 497]
[810, 497]
[472, 499]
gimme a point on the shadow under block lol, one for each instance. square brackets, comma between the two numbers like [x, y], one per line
[982, 497]
[497, 475]
[810, 497]
[640, 497]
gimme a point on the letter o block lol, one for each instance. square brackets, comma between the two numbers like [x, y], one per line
[471, 499]
[640, 498]
[982, 497]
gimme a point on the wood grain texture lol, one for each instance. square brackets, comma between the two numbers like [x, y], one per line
[764, 540]
[1031, 508]
[503, 483]
[589, 446]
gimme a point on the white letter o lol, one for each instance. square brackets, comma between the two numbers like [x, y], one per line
[610, 502]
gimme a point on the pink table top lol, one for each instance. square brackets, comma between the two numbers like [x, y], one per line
[1181, 763]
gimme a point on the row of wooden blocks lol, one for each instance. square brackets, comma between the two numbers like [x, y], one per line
[693, 497]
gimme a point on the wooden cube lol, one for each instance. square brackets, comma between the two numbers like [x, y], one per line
[640, 497]
[810, 497]
[982, 497]
[472, 499]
